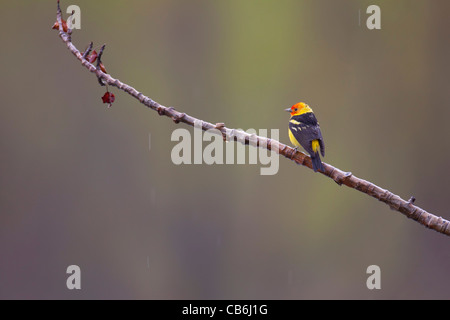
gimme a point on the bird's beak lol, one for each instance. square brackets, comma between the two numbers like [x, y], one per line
[287, 110]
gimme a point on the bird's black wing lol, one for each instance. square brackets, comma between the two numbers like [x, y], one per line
[305, 129]
[307, 118]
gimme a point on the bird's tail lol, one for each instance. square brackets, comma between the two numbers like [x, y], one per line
[316, 162]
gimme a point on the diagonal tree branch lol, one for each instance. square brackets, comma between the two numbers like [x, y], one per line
[340, 177]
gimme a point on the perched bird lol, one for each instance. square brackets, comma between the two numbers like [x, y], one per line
[304, 130]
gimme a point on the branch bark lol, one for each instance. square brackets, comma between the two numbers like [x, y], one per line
[340, 177]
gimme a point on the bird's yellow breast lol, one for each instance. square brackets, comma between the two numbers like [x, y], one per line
[293, 140]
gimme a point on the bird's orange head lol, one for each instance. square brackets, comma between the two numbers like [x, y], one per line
[298, 108]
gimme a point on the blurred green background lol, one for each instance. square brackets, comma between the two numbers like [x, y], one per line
[79, 184]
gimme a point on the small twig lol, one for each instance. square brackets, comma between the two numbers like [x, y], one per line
[100, 65]
[59, 20]
[88, 50]
[69, 24]
[340, 177]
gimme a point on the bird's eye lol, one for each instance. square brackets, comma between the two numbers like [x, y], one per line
[295, 109]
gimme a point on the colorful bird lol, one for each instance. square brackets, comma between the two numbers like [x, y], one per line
[304, 130]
